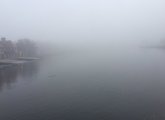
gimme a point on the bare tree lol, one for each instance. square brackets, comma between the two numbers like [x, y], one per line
[26, 48]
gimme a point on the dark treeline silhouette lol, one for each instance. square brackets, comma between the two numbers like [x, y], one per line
[20, 48]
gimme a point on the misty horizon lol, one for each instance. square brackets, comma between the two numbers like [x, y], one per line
[84, 23]
[82, 59]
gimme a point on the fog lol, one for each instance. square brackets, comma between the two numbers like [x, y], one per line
[84, 23]
[102, 59]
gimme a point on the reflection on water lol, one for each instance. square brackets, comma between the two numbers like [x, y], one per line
[29, 69]
[125, 84]
[10, 75]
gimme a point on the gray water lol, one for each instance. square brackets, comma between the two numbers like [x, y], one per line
[112, 84]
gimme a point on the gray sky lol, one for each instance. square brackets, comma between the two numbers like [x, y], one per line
[83, 21]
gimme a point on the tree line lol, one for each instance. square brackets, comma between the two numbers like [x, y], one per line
[20, 48]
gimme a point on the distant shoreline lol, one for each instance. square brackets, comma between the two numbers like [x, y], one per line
[10, 62]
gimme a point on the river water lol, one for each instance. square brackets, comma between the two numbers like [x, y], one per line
[112, 84]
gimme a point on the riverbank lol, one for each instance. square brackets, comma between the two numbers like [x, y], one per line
[17, 61]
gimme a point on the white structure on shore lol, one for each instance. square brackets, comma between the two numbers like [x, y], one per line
[7, 49]
[22, 48]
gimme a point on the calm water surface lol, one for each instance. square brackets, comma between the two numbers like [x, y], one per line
[125, 84]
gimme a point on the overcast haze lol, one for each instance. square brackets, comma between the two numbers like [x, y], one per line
[85, 22]
[100, 60]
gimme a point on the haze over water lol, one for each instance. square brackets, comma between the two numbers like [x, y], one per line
[95, 65]
[87, 85]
